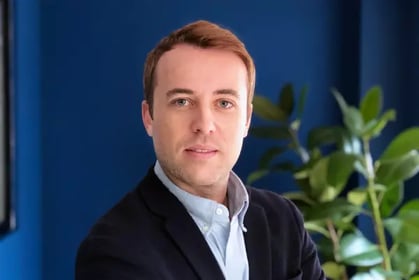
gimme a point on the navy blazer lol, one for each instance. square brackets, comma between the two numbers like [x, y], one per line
[150, 235]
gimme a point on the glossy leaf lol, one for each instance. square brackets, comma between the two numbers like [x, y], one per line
[374, 127]
[371, 104]
[301, 102]
[353, 121]
[398, 169]
[403, 143]
[256, 175]
[340, 167]
[315, 227]
[406, 258]
[269, 155]
[283, 166]
[356, 250]
[332, 270]
[325, 135]
[404, 227]
[357, 196]
[334, 210]
[301, 196]
[271, 132]
[330, 174]
[366, 276]
[341, 101]
[392, 198]
[286, 99]
[266, 110]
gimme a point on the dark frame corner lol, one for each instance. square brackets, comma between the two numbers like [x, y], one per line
[7, 210]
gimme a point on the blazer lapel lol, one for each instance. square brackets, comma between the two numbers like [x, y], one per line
[257, 241]
[181, 227]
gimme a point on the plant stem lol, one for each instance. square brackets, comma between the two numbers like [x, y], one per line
[304, 156]
[378, 222]
[335, 241]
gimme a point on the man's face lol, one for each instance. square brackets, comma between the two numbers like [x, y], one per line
[200, 116]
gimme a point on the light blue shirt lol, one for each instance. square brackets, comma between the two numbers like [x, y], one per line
[223, 234]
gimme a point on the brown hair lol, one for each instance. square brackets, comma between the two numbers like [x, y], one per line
[203, 34]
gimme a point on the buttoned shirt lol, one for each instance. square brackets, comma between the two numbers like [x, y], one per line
[221, 227]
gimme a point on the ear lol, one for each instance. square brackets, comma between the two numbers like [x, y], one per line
[147, 119]
[248, 118]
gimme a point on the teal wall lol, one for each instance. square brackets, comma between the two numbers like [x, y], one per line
[78, 66]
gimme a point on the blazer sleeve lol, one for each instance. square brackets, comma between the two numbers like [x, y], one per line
[101, 258]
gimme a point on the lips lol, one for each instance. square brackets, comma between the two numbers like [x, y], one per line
[201, 151]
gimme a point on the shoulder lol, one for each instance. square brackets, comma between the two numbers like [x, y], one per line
[271, 201]
[279, 210]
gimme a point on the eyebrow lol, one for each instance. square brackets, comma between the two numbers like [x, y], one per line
[226, 91]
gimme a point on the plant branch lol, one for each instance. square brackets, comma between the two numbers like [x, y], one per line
[377, 219]
[336, 246]
[304, 156]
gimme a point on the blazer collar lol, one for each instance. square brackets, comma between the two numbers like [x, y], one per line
[180, 226]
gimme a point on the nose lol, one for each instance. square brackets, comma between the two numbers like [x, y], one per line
[203, 121]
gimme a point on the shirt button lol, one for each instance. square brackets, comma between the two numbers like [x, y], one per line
[219, 211]
[205, 228]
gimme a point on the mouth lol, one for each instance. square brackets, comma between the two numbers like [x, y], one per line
[201, 152]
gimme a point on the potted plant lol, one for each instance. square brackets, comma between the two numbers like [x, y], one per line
[339, 181]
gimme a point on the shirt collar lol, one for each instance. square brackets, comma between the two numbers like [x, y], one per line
[204, 208]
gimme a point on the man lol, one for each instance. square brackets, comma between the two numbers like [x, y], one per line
[191, 217]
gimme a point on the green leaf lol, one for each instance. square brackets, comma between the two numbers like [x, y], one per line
[266, 110]
[392, 198]
[301, 196]
[271, 132]
[333, 270]
[356, 250]
[404, 227]
[353, 121]
[371, 104]
[286, 99]
[403, 143]
[341, 166]
[269, 155]
[398, 169]
[374, 128]
[301, 102]
[406, 258]
[366, 276]
[316, 227]
[330, 174]
[256, 175]
[283, 166]
[324, 136]
[357, 196]
[334, 210]
[341, 101]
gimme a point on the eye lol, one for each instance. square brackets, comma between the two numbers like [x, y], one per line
[181, 102]
[225, 104]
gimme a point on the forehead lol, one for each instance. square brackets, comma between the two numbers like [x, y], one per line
[189, 66]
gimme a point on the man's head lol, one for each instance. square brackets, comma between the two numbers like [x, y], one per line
[202, 34]
[198, 87]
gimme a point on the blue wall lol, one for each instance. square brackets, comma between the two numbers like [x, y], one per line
[81, 144]
[95, 148]
[21, 251]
